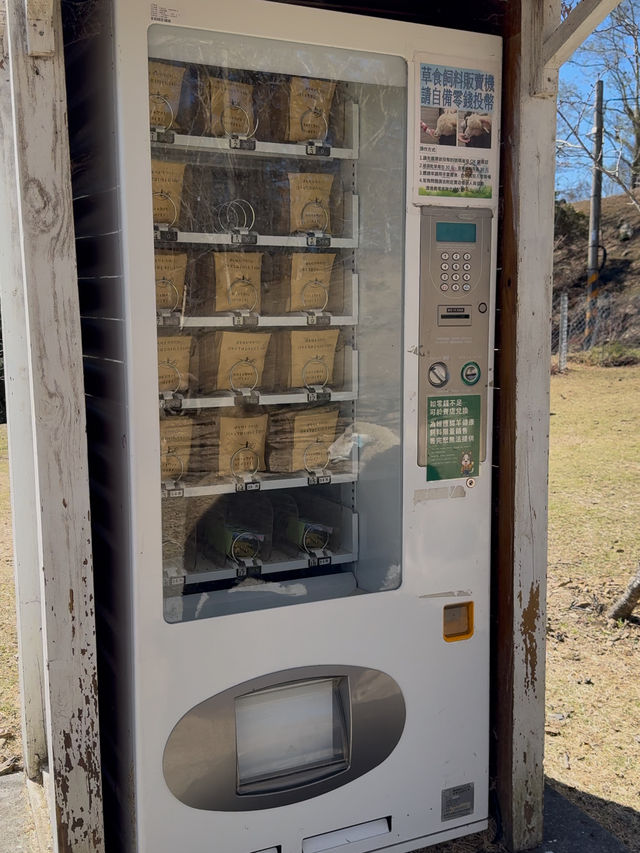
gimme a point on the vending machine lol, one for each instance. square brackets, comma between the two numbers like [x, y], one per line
[286, 224]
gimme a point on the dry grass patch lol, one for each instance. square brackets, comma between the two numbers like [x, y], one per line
[593, 689]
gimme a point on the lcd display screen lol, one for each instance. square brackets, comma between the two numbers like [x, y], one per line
[455, 232]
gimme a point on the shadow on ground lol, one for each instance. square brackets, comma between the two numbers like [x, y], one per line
[574, 822]
[621, 821]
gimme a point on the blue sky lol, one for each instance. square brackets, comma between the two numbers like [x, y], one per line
[573, 169]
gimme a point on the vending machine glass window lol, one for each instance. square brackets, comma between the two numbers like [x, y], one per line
[278, 204]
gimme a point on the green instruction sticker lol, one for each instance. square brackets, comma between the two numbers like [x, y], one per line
[453, 437]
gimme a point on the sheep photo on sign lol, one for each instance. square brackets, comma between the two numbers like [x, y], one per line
[456, 156]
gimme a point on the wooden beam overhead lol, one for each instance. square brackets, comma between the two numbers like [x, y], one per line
[574, 30]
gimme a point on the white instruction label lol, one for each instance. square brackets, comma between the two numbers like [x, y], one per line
[163, 14]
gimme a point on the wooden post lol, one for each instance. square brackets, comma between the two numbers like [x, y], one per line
[20, 431]
[523, 367]
[45, 240]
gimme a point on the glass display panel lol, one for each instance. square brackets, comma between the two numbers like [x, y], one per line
[278, 181]
[291, 735]
[455, 232]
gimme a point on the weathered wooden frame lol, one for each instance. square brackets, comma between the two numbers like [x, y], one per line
[48, 433]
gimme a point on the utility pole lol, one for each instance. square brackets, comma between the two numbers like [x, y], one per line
[593, 273]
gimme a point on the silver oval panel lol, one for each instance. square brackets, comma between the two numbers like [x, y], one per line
[244, 749]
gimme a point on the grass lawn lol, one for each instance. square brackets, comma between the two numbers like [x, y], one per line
[593, 686]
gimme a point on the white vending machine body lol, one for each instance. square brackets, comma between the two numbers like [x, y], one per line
[297, 420]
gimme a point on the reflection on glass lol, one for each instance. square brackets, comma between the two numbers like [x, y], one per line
[278, 202]
[291, 734]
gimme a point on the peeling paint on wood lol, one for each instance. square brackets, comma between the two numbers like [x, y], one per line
[529, 628]
[24, 500]
[52, 330]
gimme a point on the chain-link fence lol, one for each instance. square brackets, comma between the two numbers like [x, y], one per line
[615, 319]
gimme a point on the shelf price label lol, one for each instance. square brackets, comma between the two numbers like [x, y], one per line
[245, 320]
[169, 492]
[248, 486]
[319, 241]
[241, 143]
[244, 238]
[166, 137]
[319, 479]
[318, 149]
[165, 235]
[319, 396]
[318, 319]
[324, 560]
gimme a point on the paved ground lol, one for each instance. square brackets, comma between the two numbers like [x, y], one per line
[567, 829]
[17, 833]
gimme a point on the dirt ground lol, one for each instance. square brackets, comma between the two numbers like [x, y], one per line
[10, 741]
[593, 688]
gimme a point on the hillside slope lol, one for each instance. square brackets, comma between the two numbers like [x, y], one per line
[620, 277]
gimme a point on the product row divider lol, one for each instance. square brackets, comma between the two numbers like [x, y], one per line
[282, 562]
[243, 237]
[256, 482]
[167, 140]
[243, 318]
[175, 401]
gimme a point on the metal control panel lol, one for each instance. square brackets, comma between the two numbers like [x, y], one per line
[455, 277]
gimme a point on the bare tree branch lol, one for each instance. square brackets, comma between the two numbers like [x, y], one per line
[613, 55]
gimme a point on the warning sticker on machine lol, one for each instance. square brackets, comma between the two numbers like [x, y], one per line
[453, 436]
[457, 802]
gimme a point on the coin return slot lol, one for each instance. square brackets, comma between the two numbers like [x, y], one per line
[457, 622]
[346, 837]
[454, 315]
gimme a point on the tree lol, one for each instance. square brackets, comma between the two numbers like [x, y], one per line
[624, 606]
[611, 54]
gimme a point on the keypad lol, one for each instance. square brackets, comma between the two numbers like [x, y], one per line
[450, 269]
